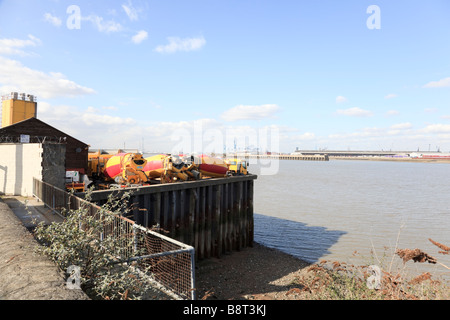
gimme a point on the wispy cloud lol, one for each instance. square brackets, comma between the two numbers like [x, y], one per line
[177, 44]
[392, 113]
[399, 129]
[139, 37]
[305, 136]
[245, 112]
[92, 119]
[391, 96]
[355, 112]
[131, 11]
[341, 99]
[401, 126]
[436, 128]
[16, 77]
[363, 133]
[52, 19]
[430, 110]
[443, 83]
[16, 46]
[102, 25]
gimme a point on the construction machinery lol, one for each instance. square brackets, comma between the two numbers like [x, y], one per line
[132, 170]
[126, 168]
[211, 166]
[171, 168]
[176, 168]
[237, 166]
[123, 169]
[97, 163]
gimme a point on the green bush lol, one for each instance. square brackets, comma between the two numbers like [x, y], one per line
[80, 241]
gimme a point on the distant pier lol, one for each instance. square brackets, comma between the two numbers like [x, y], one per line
[304, 157]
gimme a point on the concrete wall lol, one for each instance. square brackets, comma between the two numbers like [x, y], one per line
[19, 163]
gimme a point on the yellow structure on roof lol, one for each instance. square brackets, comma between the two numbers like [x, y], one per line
[18, 107]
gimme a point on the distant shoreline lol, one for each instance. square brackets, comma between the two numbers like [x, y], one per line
[392, 159]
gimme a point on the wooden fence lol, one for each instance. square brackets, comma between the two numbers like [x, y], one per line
[215, 216]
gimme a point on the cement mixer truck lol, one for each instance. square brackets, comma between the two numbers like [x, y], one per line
[133, 169]
[126, 168]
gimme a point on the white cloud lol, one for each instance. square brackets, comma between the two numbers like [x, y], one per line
[400, 136]
[430, 110]
[243, 112]
[305, 136]
[92, 124]
[400, 129]
[355, 112]
[16, 46]
[113, 108]
[89, 125]
[391, 96]
[363, 133]
[16, 77]
[443, 83]
[52, 19]
[92, 119]
[178, 44]
[392, 112]
[131, 11]
[139, 37]
[341, 99]
[436, 128]
[104, 26]
[401, 126]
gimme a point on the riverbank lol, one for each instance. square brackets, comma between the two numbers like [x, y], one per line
[393, 159]
[262, 273]
[254, 273]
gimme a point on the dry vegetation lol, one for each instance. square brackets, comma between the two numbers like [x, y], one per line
[335, 280]
[261, 273]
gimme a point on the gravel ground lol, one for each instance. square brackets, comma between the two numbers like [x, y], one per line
[256, 273]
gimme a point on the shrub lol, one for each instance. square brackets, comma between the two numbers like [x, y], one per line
[81, 241]
[342, 281]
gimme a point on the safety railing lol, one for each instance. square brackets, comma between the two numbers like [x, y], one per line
[167, 262]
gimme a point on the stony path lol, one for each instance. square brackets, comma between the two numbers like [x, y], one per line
[25, 275]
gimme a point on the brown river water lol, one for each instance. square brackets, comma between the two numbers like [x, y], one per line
[329, 210]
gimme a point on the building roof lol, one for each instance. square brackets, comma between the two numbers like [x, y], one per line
[35, 128]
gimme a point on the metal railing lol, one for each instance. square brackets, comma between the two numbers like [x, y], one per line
[162, 260]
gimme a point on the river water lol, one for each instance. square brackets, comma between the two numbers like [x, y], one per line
[357, 212]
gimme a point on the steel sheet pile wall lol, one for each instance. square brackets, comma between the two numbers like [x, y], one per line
[214, 216]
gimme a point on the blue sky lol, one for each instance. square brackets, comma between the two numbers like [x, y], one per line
[198, 75]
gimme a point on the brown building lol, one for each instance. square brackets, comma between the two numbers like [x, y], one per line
[34, 130]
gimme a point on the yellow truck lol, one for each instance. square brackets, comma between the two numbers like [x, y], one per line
[237, 167]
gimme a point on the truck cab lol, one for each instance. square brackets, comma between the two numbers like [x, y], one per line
[237, 166]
